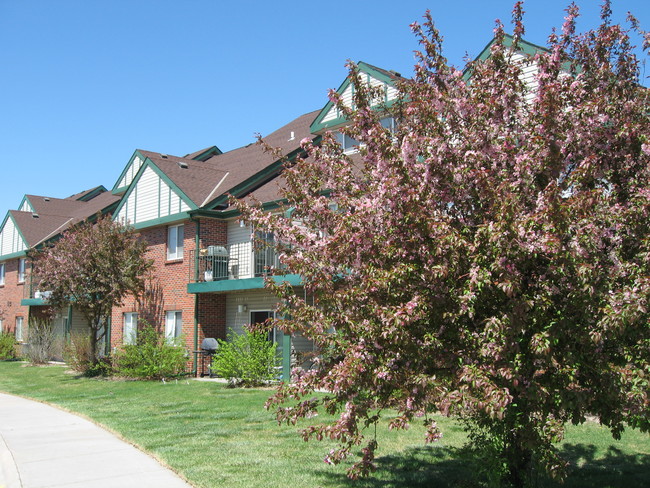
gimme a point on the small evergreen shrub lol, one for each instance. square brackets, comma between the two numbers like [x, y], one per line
[247, 359]
[7, 346]
[152, 357]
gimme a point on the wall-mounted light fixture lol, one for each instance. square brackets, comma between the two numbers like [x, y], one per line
[242, 224]
[241, 308]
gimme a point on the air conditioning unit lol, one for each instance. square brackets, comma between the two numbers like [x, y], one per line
[217, 251]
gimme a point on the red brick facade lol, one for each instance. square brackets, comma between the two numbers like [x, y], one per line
[167, 286]
[11, 293]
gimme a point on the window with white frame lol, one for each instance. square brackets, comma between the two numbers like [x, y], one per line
[175, 237]
[22, 266]
[388, 123]
[348, 143]
[173, 324]
[2, 274]
[19, 329]
[130, 327]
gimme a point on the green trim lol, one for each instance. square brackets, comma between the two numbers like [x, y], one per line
[2, 228]
[90, 195]
[121, 189]
[318, 126]
[525, 47]
[25, 199]
[196, 335]
[148, 163]
[179, 217]
[107, 338]
[69, 326]
[207, 154]
[258, 179]
[32, 302]
[286, 358]
[243, 284]
[19, 254]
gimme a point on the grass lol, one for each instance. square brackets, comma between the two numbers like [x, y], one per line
[220, 437]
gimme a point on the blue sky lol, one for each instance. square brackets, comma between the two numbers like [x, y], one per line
[85, 83]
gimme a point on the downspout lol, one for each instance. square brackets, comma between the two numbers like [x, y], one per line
[196, 333]
[68, 326]
[107, 341]
[197, 243]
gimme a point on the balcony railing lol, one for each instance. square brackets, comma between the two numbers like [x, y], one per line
[32, 288]
[232, 262]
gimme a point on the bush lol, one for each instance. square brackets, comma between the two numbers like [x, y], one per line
[103, 367]
[152, 357]
[7, 346]
[77, 353]
[41, 341]
[247, 359]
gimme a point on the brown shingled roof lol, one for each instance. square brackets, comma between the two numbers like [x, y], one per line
[52, 216]
[196, 179]
[245, 162]
[36, 228]
[204, 181]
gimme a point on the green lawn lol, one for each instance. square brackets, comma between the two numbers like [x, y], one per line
[220, 437]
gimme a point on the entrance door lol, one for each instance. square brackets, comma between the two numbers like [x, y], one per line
[261, 316]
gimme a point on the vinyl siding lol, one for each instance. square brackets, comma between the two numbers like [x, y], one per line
[10, 239]
[257, 300]
[239, 240]
[528, 75]
[26, 207]
[132, 170]
[151, 199]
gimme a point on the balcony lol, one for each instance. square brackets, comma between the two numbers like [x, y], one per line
[32, 293]
[242, 265]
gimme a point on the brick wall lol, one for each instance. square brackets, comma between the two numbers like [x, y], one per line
[167, 286]
[11, 293]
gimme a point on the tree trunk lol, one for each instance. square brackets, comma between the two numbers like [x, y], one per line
[93, 345]
[519, 461]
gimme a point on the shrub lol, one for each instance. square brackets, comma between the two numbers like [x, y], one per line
[41, 341]
[247, 359]
[7, 346]
[77, 353]
[102, 367]
[152, 357]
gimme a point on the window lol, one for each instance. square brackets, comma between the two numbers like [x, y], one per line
[173, 324]
[2, 274]
[130, 327]
[388, 123]
[2, 329]
[19, 329]
[347, 143]
[22, 264]
[265, 256]
[175, 237]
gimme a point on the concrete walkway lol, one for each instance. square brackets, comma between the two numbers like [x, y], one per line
[44, 447]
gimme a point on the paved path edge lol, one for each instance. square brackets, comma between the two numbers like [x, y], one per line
[9, 468]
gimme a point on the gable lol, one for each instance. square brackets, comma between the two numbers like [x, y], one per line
[331, 117]
[150, 197]
[11, 239]
[524, 55]
[129, 173]
[26, 205]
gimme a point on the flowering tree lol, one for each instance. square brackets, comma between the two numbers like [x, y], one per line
[489, 259]
[93, 267]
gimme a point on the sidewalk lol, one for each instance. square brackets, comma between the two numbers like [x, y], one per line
[44, 447]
